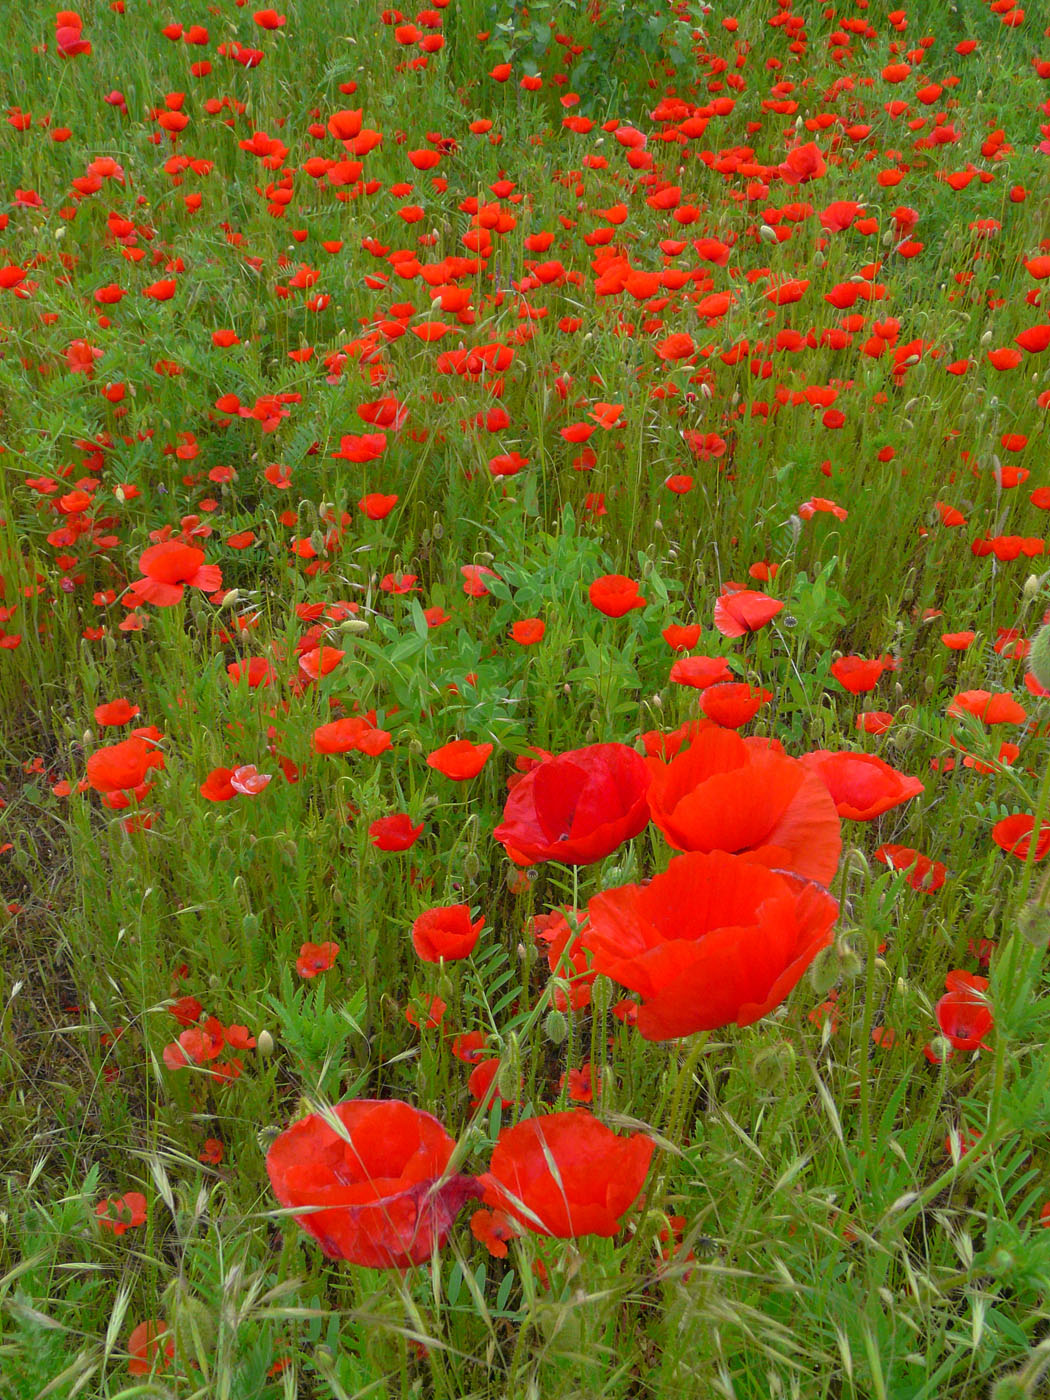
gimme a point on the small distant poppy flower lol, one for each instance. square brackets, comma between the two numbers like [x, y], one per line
[615, 595]
[862, 786]
[115, 712]
[958, 641]
[746, 610]
[149, 1346]
[446, 932]
[734, 704]
[316, 957]
[528, 631]
[567, 1175]
[681, 638]
[727, 793]
[351, 733]
[576, 807]
[460, 760]
[700, 671]
[212, 1152]
[474, 576]
[320, 661]
[874, 721]
[715, 940]
[248, 781]
[379, 1187]
[119, 1214]
[432, 1010]
[169, 569]
[925, 875]
[962, 1013]
[857, 674]
[377, 506]
[395, 832]
[217, 786]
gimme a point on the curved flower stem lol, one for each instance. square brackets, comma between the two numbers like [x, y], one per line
[683, 1083]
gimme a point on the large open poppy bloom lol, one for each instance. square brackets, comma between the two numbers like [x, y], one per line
[170, 568]
[123, 767]
[566, 1174]
[576, 807]
[715, 940]
[861, 785]
[383, 1202]
[727, 793]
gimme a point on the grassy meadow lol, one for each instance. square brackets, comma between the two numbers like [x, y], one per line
[525, 718]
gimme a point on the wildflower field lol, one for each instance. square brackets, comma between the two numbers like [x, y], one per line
[525, 701]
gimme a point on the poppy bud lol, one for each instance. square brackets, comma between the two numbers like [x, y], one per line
[602, 994]
[264, 1044]
[850, 962]
[767, 234]
[289, 852]
[770, 1066]
[230, 599]
[824, 970]
[250, 925]
[471, 865]
[1039, 657]
[1032, 585]
[508, 1076]
[354, 627]
[556, 1026]
[1033, 922]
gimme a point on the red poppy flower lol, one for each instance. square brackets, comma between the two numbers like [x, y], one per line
[460, 760]
[861, 785]
[567, 1175]
[394, 833]
[123, 767]
[925, 875]
[316, 957]
[446, 932]
[353, 732]
[962, 1013]
[734, 704]
[992, 709]
[149, 1346]
[700, 671]
[715, 940]
[681, 637]
[726, 793]
[744, 611]
[169, 569]
[576, 807]
[615, 595]
[528, 631]
[858, 675]
[1014, 835]
[874, 721]
[127, 1210]
[115, 712]
[385, 1201]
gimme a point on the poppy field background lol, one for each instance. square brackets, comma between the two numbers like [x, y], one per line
[523, 544]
